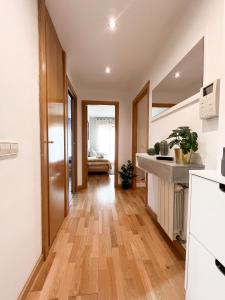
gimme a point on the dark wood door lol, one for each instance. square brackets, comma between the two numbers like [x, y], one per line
[56, 129]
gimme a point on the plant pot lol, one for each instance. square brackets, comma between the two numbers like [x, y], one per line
[178, 156]
[182, 158]
[187, 158]
[126, 184]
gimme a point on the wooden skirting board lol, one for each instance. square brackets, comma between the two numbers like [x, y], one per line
[174, 245]
[31, 279]
[80, 188]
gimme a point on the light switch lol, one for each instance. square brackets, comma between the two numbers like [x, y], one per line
[14, 148]
[8, 149]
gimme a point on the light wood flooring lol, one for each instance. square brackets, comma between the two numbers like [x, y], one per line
[109, 248]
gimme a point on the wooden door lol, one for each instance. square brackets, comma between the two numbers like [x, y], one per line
[74, 147]
[56, 129]
[73, 138]
[85, 144]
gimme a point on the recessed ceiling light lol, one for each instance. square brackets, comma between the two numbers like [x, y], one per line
[177, 75]
[107, 70]
[112, 24]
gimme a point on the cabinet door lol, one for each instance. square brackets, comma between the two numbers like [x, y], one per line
[207, 221]
[56, 130]
[205, 281]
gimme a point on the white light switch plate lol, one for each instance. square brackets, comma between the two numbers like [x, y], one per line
[8, 149]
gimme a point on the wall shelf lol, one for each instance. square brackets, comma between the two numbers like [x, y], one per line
[169, 170]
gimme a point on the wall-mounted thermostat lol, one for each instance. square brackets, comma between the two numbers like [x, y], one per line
[209, 100]
[8, 149]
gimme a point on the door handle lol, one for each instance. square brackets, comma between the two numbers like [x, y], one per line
[50, 142]
[220, 266]
[222, 187]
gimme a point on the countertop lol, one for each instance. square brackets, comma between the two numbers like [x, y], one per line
[169, 170]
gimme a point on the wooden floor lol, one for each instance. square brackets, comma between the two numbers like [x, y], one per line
[108, 248]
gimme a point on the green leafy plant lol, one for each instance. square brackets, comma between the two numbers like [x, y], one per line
[127, 171]
[185, 139]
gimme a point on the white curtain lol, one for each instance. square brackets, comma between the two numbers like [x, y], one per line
[102, 136]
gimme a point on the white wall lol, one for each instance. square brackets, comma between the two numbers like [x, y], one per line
[189, 115]
[125, 127]
[20, 205]
[202, 18]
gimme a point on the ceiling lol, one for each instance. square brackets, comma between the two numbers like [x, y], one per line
[191, 69]
[101, 111]
[129, 51]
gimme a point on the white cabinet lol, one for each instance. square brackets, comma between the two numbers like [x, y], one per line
[207, 219]
[205, 262]
[205, 281]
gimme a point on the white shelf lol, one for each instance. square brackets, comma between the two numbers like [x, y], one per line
[169, 170]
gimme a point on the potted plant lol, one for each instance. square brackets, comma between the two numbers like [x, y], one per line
[187, 143]
[127, 174]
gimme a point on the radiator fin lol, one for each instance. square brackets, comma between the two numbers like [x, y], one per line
[178, 213]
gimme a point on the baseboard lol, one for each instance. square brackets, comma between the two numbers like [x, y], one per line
[180, 249]
[31, 279]
[80, 188]
[151, 213]
[174, 245]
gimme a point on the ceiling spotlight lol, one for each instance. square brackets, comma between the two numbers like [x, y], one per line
[177, 75]
[107, 70]
[112, 24]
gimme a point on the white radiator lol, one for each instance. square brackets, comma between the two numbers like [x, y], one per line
[170, 212]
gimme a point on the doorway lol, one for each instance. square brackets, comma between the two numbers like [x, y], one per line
[140, 132]
[72, 141]
[100, 125]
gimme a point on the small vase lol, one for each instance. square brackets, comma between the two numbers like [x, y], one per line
[164, 148]
[182, 158]
[187, 158]
[223, 163]
[178, 155]
[151, 151]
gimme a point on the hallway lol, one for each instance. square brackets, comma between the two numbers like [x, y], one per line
[108, 248]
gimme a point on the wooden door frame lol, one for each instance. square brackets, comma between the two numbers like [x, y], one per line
[84, 105]
[43, 111]
[72, 92]
[144, 91]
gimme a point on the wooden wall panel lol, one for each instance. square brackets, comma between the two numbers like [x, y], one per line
[143, 93]
[52, 119]
[56, 129]
[55, 68]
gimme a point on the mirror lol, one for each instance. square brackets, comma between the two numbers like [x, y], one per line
[184, 81]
